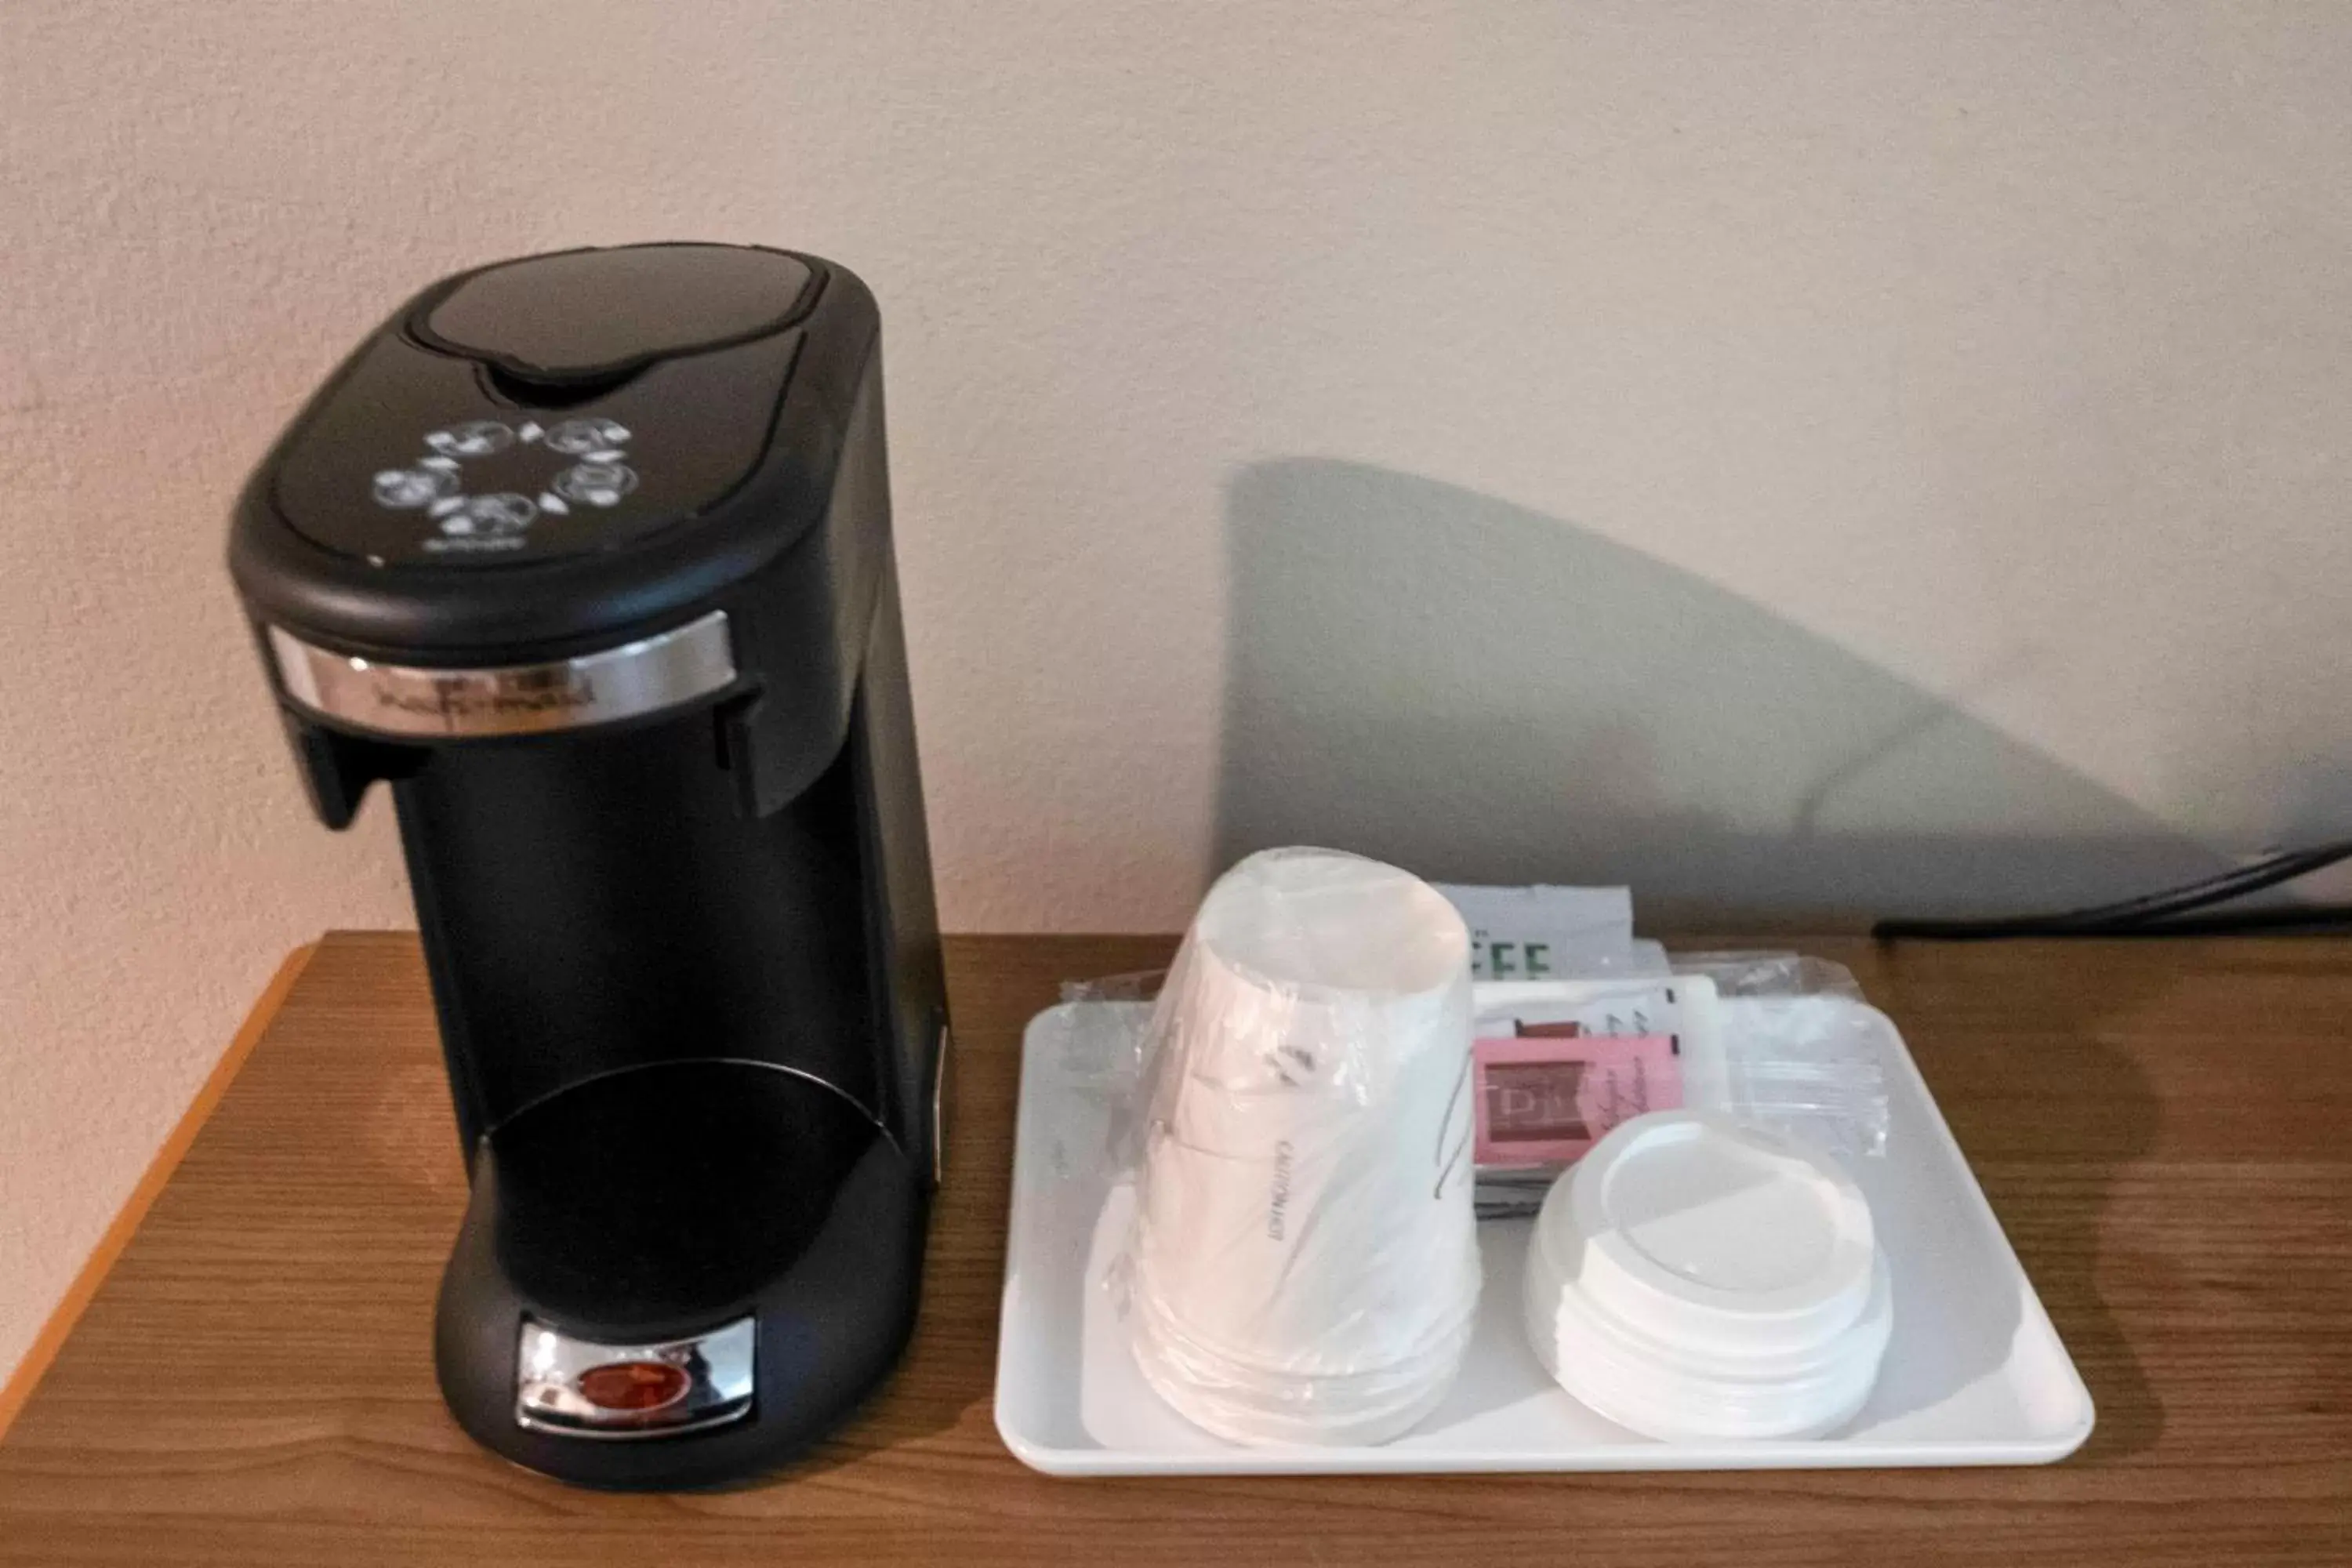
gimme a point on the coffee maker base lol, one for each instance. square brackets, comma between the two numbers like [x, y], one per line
[679, 1276]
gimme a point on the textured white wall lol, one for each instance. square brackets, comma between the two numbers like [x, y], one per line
[1815, 455]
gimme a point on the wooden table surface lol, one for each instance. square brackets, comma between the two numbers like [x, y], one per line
[2165, 1128]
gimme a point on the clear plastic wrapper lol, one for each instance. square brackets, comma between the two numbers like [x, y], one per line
[1791, 1052]
[1303, 1265]
[1315, 1104]
[1778, 1040]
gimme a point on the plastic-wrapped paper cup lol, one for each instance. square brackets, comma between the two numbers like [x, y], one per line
[1305, 1263]
[1693, 1279]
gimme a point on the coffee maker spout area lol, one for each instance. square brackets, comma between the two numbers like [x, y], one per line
[629, 658]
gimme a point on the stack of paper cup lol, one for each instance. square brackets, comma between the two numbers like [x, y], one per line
[1693, 1279]
[1305, 1265]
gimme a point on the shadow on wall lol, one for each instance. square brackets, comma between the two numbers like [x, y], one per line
[1481, 693]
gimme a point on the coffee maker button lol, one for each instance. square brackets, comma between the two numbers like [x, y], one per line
[403, 489]
[596, 484]
[630, 1385]
[578, 438]
[474, 439]
[490, 517]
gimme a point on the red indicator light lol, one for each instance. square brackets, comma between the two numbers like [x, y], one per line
[634, 1384]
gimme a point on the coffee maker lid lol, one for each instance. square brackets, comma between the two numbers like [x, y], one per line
[594, 315]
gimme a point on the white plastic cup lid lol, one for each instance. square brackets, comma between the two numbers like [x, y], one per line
[1694, 1277]
[1714, 1236]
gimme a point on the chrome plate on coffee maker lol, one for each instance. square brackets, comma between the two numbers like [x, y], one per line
[579, 1388]
[638, 678]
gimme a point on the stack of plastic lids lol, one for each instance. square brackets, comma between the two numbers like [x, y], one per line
[1694, 1279]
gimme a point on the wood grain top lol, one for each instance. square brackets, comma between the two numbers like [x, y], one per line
[2165, 1128]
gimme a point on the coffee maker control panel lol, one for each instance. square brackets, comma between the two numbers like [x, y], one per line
[456, 479]
[422, 459]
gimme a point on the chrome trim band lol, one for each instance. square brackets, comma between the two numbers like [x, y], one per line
[638, 678]
[549, 1395]
[830, 1087]
[943, 1085]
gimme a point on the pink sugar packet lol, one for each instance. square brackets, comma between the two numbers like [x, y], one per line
[1544, 1098]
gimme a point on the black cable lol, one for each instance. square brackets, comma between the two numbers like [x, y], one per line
[2125, 912]
[2246, 923]
[2236, 882]
[2242, 923]
[2152, 913]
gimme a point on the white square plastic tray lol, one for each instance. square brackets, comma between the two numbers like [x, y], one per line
[1974, 1375]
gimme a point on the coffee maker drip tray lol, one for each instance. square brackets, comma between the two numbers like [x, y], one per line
[714, 1257]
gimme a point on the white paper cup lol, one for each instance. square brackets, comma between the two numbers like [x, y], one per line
[1305, 1207]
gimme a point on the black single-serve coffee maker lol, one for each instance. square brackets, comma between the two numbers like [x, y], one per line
[589, 556]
